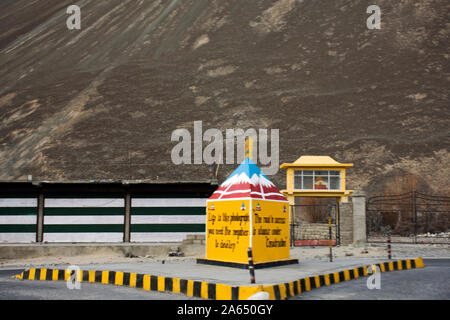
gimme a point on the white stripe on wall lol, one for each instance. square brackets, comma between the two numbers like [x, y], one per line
[84, 237]
[169, 219]
[168, 202]
[160, 236]
[18, 219]
[83, 220]
[18, 202]
[17, 237]
[84, 202]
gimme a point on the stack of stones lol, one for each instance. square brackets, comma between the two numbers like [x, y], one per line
[314, 231]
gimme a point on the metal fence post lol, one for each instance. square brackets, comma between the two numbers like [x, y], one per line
[127, 218]
[330, 233]
[389, 246]
[292, 217]
[40, 217]
[331, 239]
[414, 212]
[338, 223]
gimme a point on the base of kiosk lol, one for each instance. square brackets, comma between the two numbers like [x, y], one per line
[239, 265]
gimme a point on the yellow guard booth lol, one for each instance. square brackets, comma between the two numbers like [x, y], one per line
[316, 176]
[247, 210]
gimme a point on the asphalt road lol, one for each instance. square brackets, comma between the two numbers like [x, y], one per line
[429, 283]
[13, 289]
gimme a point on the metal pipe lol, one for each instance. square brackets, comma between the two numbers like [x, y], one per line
[40, 217]
[414, 212]
[389, 246]
[331, 237]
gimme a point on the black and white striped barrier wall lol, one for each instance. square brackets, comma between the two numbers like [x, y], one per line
[18, 219]
[100, 219]
[166, 219]
[83, 219]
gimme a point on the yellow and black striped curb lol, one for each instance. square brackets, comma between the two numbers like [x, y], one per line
[214, 291]
[286, 290]
[190, 288]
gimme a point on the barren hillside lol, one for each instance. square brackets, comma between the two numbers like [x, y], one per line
[102, 102]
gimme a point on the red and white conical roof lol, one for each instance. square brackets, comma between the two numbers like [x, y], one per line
[247, 181]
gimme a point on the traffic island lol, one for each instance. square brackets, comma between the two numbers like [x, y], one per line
[211, 290]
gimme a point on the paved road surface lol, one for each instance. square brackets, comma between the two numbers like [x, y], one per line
[13, 289]
[429, 283]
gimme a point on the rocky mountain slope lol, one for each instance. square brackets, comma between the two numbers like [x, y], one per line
[101, 102]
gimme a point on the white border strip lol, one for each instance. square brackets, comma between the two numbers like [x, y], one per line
[18, 237]
[169, 219]
[18, 202]
[168, 202]
[84, 202]
[18, 219]
[83, 220]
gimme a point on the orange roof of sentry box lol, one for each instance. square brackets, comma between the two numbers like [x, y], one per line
[316, 162]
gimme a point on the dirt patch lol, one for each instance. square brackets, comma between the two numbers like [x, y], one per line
[201, 100]
[22, 112]
[274, 70]
[221, 71]
[6, 99]
[202, 40]
[274, 18]
[211, 63]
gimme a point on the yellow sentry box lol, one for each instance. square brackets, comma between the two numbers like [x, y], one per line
[247, 210]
